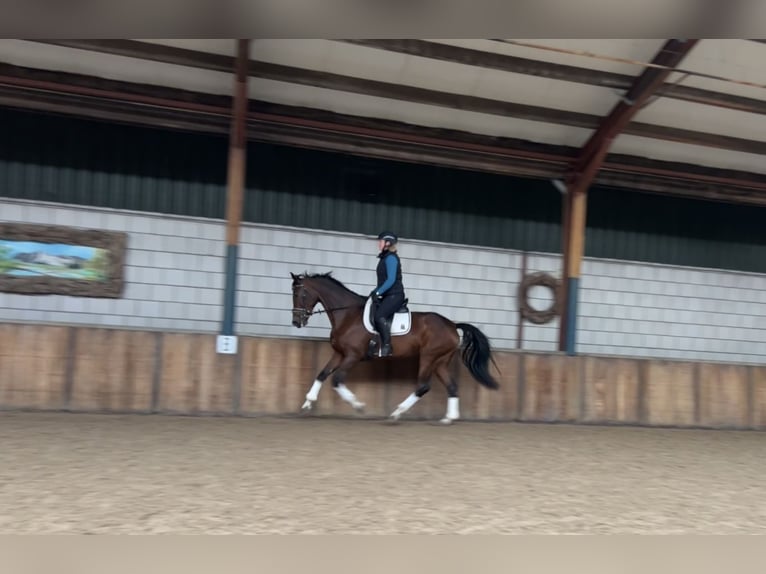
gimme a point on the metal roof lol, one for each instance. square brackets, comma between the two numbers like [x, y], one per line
[512, 106]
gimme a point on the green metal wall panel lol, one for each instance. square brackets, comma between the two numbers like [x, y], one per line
[70, 160]
[677, 231]
[329, 191]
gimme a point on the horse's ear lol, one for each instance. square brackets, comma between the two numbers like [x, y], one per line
[293, 275]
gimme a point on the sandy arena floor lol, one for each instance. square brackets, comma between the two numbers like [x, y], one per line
[65, 473]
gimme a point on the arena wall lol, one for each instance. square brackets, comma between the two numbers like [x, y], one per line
[175, 265]
[92, 369]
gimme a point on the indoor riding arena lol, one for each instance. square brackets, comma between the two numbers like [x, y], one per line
[175, 358]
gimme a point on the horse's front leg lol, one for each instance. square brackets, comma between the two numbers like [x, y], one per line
[328, 370]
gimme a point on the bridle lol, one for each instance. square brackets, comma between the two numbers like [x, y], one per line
[305, 313]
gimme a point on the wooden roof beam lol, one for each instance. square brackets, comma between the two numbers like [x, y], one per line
[583, 173]
[405, 93]
[553, 71]
[58, 91]
[595, 149]
[20, 85]
[387, 140]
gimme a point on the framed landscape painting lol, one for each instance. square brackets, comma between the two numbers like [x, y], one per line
[58, 260]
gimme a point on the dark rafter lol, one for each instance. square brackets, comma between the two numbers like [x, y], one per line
[575, 74]
[127, 102]
[586, 166]
[594, 151]
[268, 70]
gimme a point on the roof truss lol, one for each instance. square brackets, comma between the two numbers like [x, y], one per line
[154, 105]
[593, 153]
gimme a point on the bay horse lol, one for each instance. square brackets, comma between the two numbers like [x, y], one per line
[431, 336]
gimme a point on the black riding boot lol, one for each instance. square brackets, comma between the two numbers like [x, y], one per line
[384, 330]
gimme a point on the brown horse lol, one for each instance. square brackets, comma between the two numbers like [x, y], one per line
[431, 336]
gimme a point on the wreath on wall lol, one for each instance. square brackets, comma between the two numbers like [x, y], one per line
[539, 316]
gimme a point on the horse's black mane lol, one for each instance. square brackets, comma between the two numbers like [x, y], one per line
[330, 278]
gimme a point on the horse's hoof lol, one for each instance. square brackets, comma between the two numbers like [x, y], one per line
[359, 407]
[307, 406]
[447, 421]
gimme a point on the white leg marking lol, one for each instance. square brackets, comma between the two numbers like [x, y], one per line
[348, 396]
[405, 405]
[312, 395]
[453, 410]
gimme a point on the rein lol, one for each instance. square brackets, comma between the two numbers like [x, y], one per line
[318, 311]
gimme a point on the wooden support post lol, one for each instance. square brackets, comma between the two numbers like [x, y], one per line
[576, 203]
[585, 168]
[566, 209]
[578, 199]
[235, 183]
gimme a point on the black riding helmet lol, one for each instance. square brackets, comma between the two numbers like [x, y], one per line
[388, 236]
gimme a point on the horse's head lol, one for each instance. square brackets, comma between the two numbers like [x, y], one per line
[304, 301]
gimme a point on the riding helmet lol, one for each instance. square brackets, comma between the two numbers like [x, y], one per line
[388, 236]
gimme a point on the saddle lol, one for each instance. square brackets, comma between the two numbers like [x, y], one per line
[400, 324]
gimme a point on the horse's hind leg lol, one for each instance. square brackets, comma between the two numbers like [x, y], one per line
[411, 399]
[338, 383]
[453, 402]
[425, 371]
[328, 369]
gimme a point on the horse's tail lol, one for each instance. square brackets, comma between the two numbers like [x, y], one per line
[477, 354]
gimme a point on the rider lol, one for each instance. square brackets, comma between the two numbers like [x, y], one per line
[389, 294]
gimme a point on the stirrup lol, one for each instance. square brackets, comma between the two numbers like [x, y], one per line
[372, 348]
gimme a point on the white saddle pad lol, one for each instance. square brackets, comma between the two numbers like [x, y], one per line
[401, 324]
